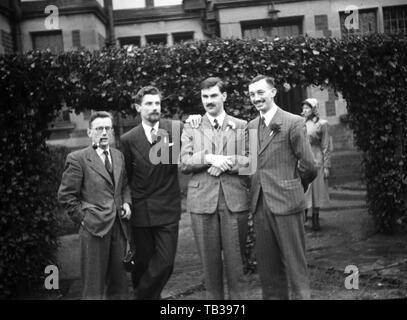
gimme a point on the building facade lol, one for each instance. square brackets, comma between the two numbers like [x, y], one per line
[61, 25]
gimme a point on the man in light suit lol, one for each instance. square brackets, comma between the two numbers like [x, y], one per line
[217, 195]
[155, 192]
[285, 166]
[95, 194]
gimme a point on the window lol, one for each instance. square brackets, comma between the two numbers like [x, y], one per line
[395, 19]
[51, 40]
[7, 42]
[268, 29]
[159, 3]
[126, 41]
[76, 38]
[182, 36]
[128, 4]
[156, 39]
[367, 23]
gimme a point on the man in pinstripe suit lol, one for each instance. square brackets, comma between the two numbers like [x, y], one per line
[285, 166]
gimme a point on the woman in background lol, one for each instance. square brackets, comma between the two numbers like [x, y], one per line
[317, 195]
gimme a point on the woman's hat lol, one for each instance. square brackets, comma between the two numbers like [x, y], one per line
[311, 102]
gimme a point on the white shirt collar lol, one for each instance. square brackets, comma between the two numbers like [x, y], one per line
[269, 115]
[100, 151]
[147, 129]
[220, 118]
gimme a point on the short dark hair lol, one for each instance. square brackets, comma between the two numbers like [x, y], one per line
[213, 81]
[99, 114]
[138, 98]
[269, 80]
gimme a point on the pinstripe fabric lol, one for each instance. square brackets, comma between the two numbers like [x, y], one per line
[283, 160]
[224, 232]
[284, 164]
[280, 252]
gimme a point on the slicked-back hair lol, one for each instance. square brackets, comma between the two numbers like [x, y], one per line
[270, 81]
[138, 98]
[213, 81]
[99, 114]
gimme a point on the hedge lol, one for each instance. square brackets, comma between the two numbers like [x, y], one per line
[370, 72]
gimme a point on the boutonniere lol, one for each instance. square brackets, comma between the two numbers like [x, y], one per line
[274, 127]
[230, 125]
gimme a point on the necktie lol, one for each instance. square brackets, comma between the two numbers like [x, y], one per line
[108, 165]
[263, 130]
[153, 136]
[216, 126]
[263, 122]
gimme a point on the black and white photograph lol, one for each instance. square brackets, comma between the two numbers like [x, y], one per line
[196, 151]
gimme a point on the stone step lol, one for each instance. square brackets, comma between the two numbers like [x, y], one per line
[340, 194]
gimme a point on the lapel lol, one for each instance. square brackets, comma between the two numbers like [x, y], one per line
[117, 165]
[255, 127]
[208, 130]
[277, 119]
[141, 143]
[97, 164]
[227, 132]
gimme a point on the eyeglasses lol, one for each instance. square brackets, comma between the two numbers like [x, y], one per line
[100, 129]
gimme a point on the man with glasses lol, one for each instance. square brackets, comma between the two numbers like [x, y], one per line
[95, 194]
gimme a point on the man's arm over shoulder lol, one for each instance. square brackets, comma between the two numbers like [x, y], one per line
[70, 188]
[302, 150]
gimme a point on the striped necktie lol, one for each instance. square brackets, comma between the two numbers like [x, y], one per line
[108, 165]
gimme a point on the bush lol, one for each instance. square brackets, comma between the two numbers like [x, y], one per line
[28, 226]
[54, 164]
[370, 72]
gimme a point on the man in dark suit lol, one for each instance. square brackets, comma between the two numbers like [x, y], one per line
[155, 190]
[285, 165]
[95, 194]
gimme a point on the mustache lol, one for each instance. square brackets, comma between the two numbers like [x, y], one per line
[258, 101]
[210, 105]
[154, 113]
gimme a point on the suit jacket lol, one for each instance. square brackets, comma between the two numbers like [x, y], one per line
[154, 187]
[285, 164]
[203, 188]
[87, 191]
